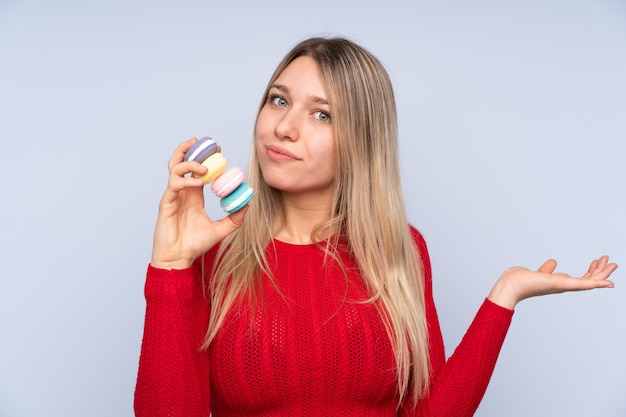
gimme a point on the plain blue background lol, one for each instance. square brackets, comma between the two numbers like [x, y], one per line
[512, 121]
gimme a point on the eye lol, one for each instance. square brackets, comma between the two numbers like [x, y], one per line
[278, 100]
[322, 116]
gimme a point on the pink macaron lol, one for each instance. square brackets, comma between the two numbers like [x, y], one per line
[227, 182]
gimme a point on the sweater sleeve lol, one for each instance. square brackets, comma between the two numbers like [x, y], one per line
[458, 384]
[173, 376]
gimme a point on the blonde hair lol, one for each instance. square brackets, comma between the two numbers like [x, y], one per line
[368, 209]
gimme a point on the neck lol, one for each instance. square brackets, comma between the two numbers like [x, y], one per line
[302, 214]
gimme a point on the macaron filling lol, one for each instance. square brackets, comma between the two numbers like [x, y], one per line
[238, 198]
[227, 182]
[201, 150]
[215, 164]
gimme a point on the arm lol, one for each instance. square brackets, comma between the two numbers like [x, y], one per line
[173, 377]
[458, 384]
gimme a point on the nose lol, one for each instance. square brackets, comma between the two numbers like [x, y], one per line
[288, 126]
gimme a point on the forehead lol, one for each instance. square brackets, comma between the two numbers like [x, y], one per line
[302, 74]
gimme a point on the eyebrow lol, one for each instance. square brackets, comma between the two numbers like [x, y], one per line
[285, 89]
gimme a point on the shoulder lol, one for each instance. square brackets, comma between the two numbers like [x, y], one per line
[422, 250]
[419, 240]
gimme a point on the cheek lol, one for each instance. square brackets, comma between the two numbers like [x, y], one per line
[327, 156]
[260, 154]
[263, 123]
[260, 131]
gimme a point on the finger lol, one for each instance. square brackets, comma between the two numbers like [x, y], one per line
[575, 284]
[192, 188]
[600, 265]
[237, 217]
[600, 268]
[178, 179]
[183, 168]
[604, 272]
[230, 223]
[179, 153]
[548, 266]
[592, 267]
[177, 184]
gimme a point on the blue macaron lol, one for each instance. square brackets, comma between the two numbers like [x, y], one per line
[238, 199]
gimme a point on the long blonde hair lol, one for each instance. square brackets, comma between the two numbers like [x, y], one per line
[368, 209]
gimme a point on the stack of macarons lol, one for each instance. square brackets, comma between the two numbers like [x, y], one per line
[229, 186]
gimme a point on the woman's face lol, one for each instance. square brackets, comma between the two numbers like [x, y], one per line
[294, 135]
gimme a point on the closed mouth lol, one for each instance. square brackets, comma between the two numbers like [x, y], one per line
[279, 151]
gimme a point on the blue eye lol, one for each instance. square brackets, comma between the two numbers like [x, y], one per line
[278, 100]
[322, 116]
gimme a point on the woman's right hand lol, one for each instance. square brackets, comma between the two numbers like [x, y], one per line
[184, 231]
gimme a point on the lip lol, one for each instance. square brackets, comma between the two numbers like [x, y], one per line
[277, 153]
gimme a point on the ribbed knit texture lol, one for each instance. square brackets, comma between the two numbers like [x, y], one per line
[319, 351]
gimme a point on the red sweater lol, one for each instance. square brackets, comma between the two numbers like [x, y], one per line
[321, 353]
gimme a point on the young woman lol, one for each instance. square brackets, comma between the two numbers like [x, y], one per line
[316, 299]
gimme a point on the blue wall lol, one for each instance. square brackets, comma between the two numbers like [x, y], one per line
[512, 123]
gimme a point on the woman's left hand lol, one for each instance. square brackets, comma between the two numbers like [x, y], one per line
[518, 283]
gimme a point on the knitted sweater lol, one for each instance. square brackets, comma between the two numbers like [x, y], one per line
[318, 351]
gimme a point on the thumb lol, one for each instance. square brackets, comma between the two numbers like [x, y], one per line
[548, 266]
[230, 223]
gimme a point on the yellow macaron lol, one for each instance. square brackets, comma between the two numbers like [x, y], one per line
[215, 164]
